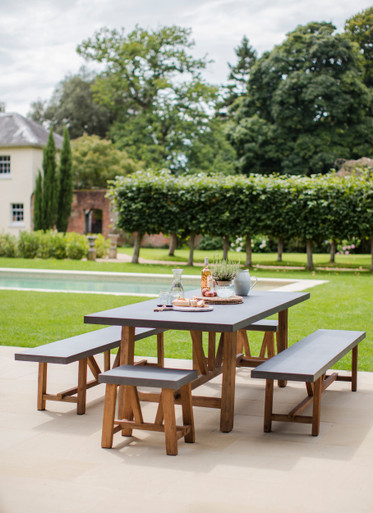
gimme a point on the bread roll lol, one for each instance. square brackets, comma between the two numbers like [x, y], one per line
[181, 301]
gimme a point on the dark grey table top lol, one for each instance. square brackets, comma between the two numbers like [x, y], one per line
[224, 318]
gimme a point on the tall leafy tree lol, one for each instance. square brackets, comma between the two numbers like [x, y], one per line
[72, 105]
[65, 191]
[359, 28]
[154, 86]
[95, 161]
[239, 72]
[306, 106]
[50, 185]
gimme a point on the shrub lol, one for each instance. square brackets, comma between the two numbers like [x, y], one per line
[58, 247]
[76, 246]
[51, 245]
[8, 245]
[45, 243]
[28, 244]
[209, 243]
[102, 246]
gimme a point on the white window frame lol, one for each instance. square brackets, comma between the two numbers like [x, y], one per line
[17, 214]
[5, 166]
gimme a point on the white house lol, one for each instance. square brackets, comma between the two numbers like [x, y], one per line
[21, 155]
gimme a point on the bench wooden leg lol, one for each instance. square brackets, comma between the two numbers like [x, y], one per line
[316, 406]
[168, 405]
[160, 350]
[268, 345]
[187, 407]
[82, 386]
[243, 345]
[282, 337]
[354, 369]
[108, 420]
[107, 360]
[268, 406]
[42, 385]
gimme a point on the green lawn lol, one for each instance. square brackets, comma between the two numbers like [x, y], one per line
[32, 318]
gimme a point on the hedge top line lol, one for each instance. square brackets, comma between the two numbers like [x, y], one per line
[320, 206]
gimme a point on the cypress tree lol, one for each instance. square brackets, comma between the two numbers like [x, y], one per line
[50, 185]
[65, 192]
[38, 198]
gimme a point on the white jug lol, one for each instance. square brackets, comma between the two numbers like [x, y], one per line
[242, 283]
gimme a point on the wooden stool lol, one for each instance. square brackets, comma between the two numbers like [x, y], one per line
[169, 380]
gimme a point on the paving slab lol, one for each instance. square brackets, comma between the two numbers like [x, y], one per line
[52, 461]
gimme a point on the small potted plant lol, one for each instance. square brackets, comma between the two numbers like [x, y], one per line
[223, 273]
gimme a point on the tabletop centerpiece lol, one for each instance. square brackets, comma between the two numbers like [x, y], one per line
[223, 272]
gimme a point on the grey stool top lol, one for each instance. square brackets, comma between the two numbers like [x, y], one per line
[142, 375]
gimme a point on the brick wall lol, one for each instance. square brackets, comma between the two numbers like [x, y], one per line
[83, 201]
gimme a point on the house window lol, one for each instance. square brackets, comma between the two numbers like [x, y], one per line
[17, 213]
[4, 165]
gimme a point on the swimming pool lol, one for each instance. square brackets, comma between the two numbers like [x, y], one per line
[114, 283]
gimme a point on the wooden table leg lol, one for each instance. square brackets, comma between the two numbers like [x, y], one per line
[127, 352]
[282, 336]
[229, 382]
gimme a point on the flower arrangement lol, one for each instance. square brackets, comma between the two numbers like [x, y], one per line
[224, 270]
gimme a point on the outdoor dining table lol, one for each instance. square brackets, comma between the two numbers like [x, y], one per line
[225, 320]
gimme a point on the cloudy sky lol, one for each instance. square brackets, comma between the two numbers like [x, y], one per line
[38, 38]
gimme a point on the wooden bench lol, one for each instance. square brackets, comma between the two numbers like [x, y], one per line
[308, 361]
[170, 381]
[82, 348]
[267, 349]
[244, 356]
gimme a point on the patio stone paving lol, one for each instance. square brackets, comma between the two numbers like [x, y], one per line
[52, 461]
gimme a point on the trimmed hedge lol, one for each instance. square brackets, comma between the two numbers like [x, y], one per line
[312, 208]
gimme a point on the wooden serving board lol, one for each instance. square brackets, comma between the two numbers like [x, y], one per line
[233, 300]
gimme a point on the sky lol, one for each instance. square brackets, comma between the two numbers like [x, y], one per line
[38, 38]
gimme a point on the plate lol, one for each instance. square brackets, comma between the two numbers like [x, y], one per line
[193, 308]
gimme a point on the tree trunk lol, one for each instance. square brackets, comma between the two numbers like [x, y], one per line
[280, 249]
[309, 254]
[332, 252]
[192, 238]
[248, 262]
[173, 244]
[136, 248]
[371, 252]
[225, 248]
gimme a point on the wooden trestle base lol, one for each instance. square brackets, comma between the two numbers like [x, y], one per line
[314, 391]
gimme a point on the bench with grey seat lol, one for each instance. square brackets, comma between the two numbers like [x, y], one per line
[267, 350]
[171, 381]
[307, 361]
[82, 348]
[244, 352]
